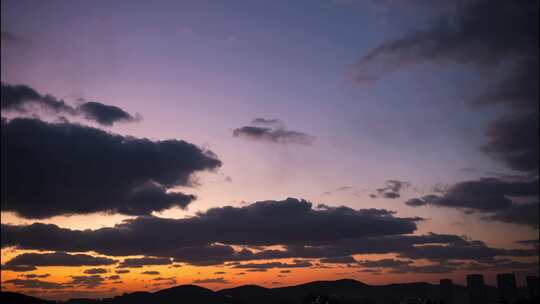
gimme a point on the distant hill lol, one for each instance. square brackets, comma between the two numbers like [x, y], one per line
[332, 292]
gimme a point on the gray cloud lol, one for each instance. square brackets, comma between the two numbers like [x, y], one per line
[95, 271]
[339, 260]
[513, 140]
[278, 222]
[34, 284]
[211, 280]
[474, 34]
[150, 272]
[121, 174]
[35, 276]
[24, 99]
[88, 282]
[491, 196]
[272, 265]
[273, 131]
[58, 259]
[392, 189]
[139, 262]
[104, 114]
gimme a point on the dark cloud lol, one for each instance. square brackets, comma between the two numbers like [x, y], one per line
[20, 98]
[485, 194]
[267, 121]
[492, 196]
[113, 277]
[488, 34]
[513, 140]
[474, 34]
[533, 243]
[304, 232]
[89, 282]
[278, 222]
[24, 99]
[7, 37]
[19, 268]
[95, 271]
[210, 281]
[58, 259]
[339, 260]
[35, 276]
[384, 263]
[274, 131]
[150, 272]
[434, 247]
[523, 214]
[392, 189]
[121, 174]
[105, 114]
[34, 284]
[272, 265]
[120, 271]
[432, 268]
[139, 262]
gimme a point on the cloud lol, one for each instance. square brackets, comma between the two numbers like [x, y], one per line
[474, 35]
[384, 263]
[24, 99]
[513, 140]
[121, 271]
[7, 37]
[105, 114]
[139, 262]
[121, 174]
[35, 276]
[19, 98]
[150, 272]
[491, 196]
[34, 284]
[267, 121]
[89, 282]
[523, 214]
[211, 280]
[95, 271]
[58, 259]
[339, 260]
[392, 189]
[303, 232]
[272, 265]
[290, 221]
[19, 268]
[273, 131]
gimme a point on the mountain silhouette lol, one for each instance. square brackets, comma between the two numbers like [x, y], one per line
[331, 292]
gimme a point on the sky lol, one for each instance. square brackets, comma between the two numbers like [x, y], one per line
[274, 142]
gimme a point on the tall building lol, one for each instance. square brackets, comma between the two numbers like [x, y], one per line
[506, 283]
[446, 291]
[476, 288]
[532, 285]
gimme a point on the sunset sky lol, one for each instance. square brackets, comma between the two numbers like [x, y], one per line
[147, 144]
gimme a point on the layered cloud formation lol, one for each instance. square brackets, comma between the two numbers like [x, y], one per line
[302, 231]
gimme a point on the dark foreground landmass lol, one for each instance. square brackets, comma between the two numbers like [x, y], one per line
[319, 292]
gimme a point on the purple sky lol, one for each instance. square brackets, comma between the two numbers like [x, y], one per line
[198, 70]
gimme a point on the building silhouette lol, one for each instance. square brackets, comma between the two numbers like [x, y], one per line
[506, 283]
[476, 288]
[532, 286]
[446, 291]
